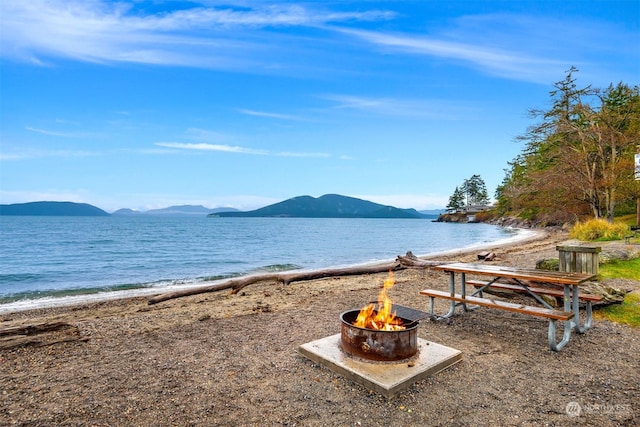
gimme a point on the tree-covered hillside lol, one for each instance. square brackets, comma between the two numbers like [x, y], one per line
[327, 206]
[578, 159]
[51, 209]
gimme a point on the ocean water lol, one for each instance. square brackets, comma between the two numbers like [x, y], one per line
[44, 259]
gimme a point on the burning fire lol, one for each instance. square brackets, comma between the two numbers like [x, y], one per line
[382, 319]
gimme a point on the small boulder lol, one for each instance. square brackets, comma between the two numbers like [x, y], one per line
[608, 293]
[618, 251]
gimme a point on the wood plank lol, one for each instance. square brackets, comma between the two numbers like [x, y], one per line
[537, 290]
[501, 305]
[579, 249]
[543, 276]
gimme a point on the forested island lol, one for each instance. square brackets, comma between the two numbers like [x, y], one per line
[51, 209]
[327, 206]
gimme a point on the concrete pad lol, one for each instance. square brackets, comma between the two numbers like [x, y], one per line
[386, 378]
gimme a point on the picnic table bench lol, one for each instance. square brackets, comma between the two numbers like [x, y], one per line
[555, 291]
[530, 281]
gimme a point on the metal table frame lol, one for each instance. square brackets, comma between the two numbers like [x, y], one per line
[570, 282]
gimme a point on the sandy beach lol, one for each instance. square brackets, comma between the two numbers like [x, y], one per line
[232, 360]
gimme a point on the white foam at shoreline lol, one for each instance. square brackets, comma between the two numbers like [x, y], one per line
[520, 235]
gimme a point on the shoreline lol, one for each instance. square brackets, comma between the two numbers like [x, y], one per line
[522, 235]
[233, 360]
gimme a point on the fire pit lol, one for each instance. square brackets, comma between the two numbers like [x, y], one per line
[377, 344]
[380, 345]
[377, 333]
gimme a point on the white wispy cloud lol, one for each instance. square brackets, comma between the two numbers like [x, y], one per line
[257, 36]
[202, 146]
[39, 154]
[498, 61]
[268, 115]
[406, 108]
[222, 36]
[61, 134]
[211, 147]
[11, 156]
[208, 140]
[518, 47]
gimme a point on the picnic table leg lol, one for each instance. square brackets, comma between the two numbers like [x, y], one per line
[463, 291]
[452, 308]
[568, 325]
[566, 336]
[576, 312]
[452, 289]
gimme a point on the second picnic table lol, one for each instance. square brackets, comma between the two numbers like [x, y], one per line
[530, 281]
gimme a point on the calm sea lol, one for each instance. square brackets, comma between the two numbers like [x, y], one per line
[44, 259]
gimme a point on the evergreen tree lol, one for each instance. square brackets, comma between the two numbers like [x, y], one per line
[578, 158]
[456, 201]
[475, 191]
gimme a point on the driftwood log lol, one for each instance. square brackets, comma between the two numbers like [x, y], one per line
[39, 335]
[402, 262]
[285, 278]
[37, 328]
[411, 261]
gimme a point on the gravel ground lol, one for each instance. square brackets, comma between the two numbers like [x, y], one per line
[232, 360]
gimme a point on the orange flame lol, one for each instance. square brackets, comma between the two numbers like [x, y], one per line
[382, 319]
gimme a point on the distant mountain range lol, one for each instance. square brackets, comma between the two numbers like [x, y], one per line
[182, 210]
[327, 206]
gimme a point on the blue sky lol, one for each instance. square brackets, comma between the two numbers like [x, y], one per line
[147, 104]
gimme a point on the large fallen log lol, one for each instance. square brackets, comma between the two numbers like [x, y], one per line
[37, 341]
[285, 278]
[39, 335]
[411, 261]
[33, 329]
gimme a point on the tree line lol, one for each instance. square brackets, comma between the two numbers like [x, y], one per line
[472, 193]
[578, 158]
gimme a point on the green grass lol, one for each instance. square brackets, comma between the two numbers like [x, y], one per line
[629, 219]
[628, 312]
[620, 269]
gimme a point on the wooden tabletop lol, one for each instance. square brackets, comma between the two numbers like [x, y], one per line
[532, 274]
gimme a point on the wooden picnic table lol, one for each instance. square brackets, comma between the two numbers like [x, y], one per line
[530, 281]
